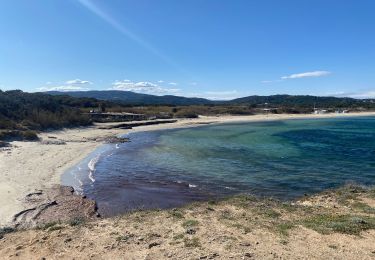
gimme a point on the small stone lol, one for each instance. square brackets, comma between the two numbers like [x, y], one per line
[153, 244]
[249, 255]
[191, 231]
[67, 240]
[213, 255]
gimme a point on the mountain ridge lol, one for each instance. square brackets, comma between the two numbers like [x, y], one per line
[132, 98]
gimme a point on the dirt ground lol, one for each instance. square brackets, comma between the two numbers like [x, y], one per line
[337, 224]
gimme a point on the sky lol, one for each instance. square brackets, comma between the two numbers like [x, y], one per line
[217, 49]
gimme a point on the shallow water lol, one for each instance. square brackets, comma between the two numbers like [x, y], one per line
[283, 159]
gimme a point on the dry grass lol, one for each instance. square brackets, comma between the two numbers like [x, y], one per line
[238, 227]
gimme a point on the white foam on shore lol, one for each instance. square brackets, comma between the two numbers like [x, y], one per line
[91, 165]
[117, 146]
[192, 186]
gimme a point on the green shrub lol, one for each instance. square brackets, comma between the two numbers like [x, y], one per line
[347, 224]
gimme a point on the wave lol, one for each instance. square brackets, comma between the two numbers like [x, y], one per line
[91, 165]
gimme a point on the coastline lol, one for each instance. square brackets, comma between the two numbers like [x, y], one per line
[30, 166]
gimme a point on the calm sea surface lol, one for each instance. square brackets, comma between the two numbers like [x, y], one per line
[282, 159]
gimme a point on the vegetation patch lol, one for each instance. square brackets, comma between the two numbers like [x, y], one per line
[271, 213]
[177, 214]
[194, 242]
[76, 221]
[48, 225]
[5, 230]
[179, 236]
[283, 228]
[347, 224]
[363, 207]
[190, 223]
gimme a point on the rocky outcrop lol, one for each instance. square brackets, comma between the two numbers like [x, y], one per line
[58, 204]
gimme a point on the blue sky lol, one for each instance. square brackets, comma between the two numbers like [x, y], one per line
[218, 49]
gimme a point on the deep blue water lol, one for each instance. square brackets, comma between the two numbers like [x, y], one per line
[283, 159]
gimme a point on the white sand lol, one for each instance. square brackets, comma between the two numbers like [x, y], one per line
[30, 166]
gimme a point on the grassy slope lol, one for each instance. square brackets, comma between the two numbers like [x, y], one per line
[336, 224]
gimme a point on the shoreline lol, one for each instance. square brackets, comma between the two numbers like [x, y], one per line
[31, 166]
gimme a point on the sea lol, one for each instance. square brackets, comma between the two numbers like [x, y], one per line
[283, 159]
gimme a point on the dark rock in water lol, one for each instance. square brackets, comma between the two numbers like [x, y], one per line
[59, 203]
[113, 140]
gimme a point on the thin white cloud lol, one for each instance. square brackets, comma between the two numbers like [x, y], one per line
[173, 83]
[359, 94]
[160, 81]
[193, 83]
[310, 74]
[318, 73]
[78, 82]
[70, 85]
[95, 9]
[221, 93]
[271, 81]
[216, 95]
[63, 88]
[142, 87]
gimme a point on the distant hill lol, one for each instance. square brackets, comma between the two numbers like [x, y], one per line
[131, 98]
[301, 101]
[22, 113]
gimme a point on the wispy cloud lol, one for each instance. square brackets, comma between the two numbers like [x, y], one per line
[89, 5]
[78, 82]
[216, 95]
[173, 83]
[142, 87]
[318, 73]
[62, 88]
[309, 74]
[357, 94]
[269, 81]
[160, 81]
[69, 85]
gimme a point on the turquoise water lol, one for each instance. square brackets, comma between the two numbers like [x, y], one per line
[283, 159]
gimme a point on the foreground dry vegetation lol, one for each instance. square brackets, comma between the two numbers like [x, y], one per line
[335, 225]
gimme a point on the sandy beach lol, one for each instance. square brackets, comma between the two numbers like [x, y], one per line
[26, 167]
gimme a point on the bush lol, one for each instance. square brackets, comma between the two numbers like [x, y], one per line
[186, 114]
[5, 230]
[30, 135]
[27, 135]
